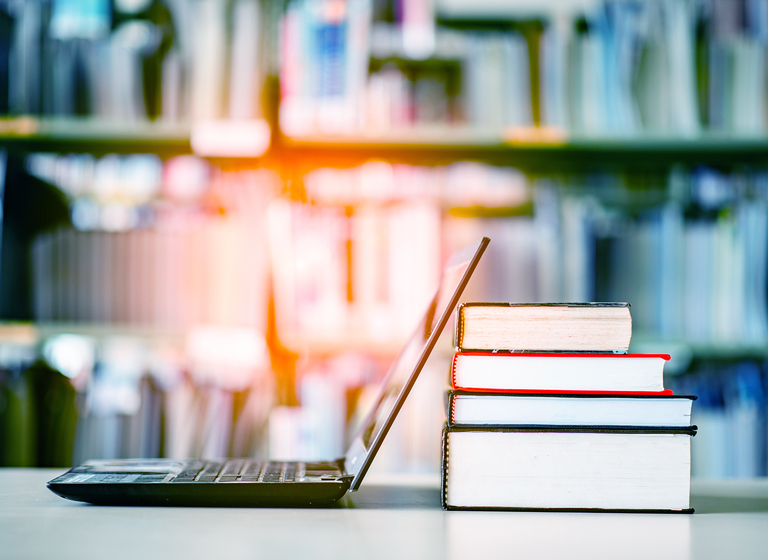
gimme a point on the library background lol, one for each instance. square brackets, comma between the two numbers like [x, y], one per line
[221, 218]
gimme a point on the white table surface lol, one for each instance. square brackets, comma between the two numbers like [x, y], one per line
[391, 517]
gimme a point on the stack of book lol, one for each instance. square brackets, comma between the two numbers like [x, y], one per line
[548, 411]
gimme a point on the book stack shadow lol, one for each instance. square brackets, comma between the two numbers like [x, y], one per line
[548, 411]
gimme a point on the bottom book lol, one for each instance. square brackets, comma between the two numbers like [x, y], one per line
[567, 468]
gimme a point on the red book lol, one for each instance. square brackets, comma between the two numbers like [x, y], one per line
[501, 372]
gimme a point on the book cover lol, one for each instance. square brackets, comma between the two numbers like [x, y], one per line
[556, 468]
[567, 409]
[543, 327]
[559, 372]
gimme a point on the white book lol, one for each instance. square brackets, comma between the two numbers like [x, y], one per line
[578, 250]
[709, 450]
[244, 61]
[369, 270]
[567, 469]
[594, 98]
[698, 280]
[105, 295]
[726, 292]
[670, 278]
[67, 264]
[24, 61]
[83, 278]
[516, 77]
[172, 86]
[494, 409]
[42, 274]
[484, 69]
[553, 74]
[521, 372]
[680, 20]
[127, 96]
[754, 218]
[208, 59]
[748, 110]
[653, 80]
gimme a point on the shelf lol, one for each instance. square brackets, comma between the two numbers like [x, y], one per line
[94, 136]
[30, 334]
[532, 149]
[248, 139]
[18, 334]
[330, 344]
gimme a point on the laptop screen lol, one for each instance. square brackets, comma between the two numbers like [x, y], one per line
[409, 363]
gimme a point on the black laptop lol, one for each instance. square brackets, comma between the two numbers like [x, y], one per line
[254, 482]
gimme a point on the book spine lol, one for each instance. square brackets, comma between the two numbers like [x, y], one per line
[444, 471]
[454, 363]
[459, 332]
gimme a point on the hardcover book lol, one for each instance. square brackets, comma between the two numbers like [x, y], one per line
[500, 409]
[567, 468]
[548, 327]
[558, 372]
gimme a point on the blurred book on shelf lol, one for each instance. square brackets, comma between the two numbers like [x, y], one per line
[731, 415]
[133, 61]
[479, 78]
[367, 271]
[698, 271]
[602, 68]
[169, 245]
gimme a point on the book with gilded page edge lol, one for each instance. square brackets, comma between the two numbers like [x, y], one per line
[543, 327]
[558, 372]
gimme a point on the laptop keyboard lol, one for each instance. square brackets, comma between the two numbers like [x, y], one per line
[254, 470]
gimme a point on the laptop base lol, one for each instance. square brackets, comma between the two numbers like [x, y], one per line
[225, 483]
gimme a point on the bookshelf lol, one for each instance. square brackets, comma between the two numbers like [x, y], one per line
[597, 168]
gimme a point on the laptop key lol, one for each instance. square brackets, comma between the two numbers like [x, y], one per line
[232, 468]
[209, 473]
[205, 478]
[272, 472]
[290, 472]
[252, 468]
[189, 471]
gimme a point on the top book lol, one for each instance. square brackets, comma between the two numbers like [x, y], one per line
[536, 327]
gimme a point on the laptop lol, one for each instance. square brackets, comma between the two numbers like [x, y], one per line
[255, 482]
